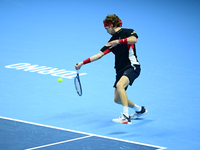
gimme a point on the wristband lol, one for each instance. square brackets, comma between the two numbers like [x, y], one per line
[86, 61]
[123, 41]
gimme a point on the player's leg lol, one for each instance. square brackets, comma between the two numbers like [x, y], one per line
[121, 92]
[121, 85]
[117, 100]
[121, 98]
[132, 74]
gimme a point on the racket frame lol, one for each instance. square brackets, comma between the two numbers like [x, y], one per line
[79, 82]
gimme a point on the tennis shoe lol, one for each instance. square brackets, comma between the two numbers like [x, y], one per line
[137, 114]
[123, 120]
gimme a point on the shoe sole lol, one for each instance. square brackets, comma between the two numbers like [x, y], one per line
[123, 122]
[126, 123]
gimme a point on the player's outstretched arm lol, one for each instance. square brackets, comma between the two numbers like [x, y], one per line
[90, 59]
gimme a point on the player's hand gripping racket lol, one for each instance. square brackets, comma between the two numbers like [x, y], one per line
[78, 84]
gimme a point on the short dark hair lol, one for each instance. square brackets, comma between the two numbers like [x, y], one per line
[112, 18]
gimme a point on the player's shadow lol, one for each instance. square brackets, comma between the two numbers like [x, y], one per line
[117, 133]
[141, 121]
[138, 119]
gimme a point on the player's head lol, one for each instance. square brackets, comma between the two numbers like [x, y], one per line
[110, 22]
[112, 19]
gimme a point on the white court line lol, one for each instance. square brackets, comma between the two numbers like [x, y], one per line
[159, 147]
[58, 143]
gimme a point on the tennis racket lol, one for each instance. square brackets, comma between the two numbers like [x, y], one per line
[77, 83]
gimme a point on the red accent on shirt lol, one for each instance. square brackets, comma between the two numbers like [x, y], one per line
[106, 51]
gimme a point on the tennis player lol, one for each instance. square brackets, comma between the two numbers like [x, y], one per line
[127, 66]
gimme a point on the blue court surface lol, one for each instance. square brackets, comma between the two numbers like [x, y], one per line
[41, 40]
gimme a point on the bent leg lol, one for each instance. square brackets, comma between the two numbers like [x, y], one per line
[117, 100]
[120, 93]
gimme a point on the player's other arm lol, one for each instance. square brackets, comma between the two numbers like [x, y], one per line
[129, 40]
[90, 59]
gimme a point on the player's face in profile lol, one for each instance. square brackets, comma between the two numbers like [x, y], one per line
[110, 30]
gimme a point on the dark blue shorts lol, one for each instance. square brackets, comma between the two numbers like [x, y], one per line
[132, 73]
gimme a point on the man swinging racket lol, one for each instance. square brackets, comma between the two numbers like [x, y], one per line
[122, 45]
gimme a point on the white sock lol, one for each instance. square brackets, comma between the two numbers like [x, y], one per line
[137, 108]
[125, 111]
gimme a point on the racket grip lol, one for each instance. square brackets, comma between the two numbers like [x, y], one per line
[77, 70]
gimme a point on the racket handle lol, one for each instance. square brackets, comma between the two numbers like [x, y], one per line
[77, 70]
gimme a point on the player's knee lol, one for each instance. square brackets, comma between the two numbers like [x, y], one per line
[119, 86]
